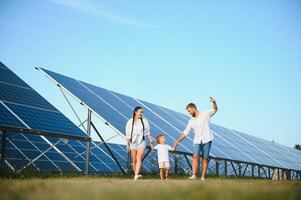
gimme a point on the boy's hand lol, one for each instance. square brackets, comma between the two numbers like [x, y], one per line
[173, 149]
[212, 99]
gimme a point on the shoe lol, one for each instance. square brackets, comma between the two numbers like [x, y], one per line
[193, 177]
[203, 179]
[136, 177]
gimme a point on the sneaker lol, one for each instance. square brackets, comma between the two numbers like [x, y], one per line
[136, 177]
[203, 179]
[193, 177]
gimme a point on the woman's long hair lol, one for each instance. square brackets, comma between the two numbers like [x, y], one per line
[134, 115]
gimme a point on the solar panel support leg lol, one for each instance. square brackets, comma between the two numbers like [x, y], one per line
[269, 173]
[282, 174]
[176, 164]
[278, 174]
[259, 171]
[252, 170]
[233, 168]
[243, 174]
[108, 148]
[88, 143]
[217, 167]
[129, 163]
[146, 154]
[239, 169]
[3, 149]
[188, 161]
[226, 168]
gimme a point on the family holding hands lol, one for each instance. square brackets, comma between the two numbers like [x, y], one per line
[137, 128]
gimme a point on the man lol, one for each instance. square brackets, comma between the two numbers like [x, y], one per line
[200, 123]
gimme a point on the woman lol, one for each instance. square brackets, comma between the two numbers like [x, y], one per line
[136, 130]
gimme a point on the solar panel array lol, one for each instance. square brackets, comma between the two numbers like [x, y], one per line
[229, 144]
[23, 107]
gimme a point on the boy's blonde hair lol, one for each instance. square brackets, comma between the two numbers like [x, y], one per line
[158, 138]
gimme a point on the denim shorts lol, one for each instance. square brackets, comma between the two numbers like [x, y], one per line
[202, 150]
[136, 145]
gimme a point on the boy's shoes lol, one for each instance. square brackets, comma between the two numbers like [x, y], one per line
[203, 179]
[136, 177]
[193, 177]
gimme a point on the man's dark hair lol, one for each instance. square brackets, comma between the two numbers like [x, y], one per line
[191, 105]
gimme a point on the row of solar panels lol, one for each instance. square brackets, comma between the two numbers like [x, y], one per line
[229, 144]
[21, 106]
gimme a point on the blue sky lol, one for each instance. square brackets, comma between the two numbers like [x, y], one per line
[247, 54]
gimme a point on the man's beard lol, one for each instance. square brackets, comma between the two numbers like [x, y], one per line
[193, 114]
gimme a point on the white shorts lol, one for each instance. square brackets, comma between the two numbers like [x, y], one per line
[136, 145]
[164, 165]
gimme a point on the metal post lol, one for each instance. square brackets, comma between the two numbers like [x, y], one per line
[252, 170]
[282, 174]
[278, 174]
[288, 175]
[226, 168]
[176, 164]
[129, 163]
[88, 143]
[239, 169]
[3, 149]
[217, 167]
[259, 171]
[269, 172]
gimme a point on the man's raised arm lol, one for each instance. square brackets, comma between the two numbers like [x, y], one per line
[214, 105]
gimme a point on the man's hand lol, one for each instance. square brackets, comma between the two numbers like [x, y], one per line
[175, 146]
[212, 99]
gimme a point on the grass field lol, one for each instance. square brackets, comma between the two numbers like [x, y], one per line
[154, 189]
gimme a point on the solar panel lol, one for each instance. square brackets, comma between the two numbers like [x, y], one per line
[116, 109]
[22, 107]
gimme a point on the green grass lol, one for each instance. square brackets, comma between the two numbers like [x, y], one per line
[121, 188]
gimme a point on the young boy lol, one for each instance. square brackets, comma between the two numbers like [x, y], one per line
[163, 156]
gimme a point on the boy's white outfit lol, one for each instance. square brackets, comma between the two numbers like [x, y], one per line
[163, 155]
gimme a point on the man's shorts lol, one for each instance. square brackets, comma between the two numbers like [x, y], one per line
[136, 145]
[164, 165]
[202, 150]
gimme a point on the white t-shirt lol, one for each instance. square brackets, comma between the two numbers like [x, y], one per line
[137, 130]
[201, 127]
[163, 154]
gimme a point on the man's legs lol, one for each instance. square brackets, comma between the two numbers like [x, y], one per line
[195, 164]
[162, 173]
[205, 155]
[204, 166]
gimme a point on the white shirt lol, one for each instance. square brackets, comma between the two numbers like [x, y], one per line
[163, 154]
[201, 127]
[137, 130]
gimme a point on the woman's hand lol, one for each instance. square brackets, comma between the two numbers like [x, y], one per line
[128, 146]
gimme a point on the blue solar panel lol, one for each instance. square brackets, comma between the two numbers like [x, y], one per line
[7, 118]
[8, 77]
[117, 109]
[45, 120]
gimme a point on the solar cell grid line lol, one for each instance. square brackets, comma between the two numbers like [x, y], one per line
[254, 145]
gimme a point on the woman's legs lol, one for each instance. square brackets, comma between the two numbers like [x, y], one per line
[134, 159]
[139, 160]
